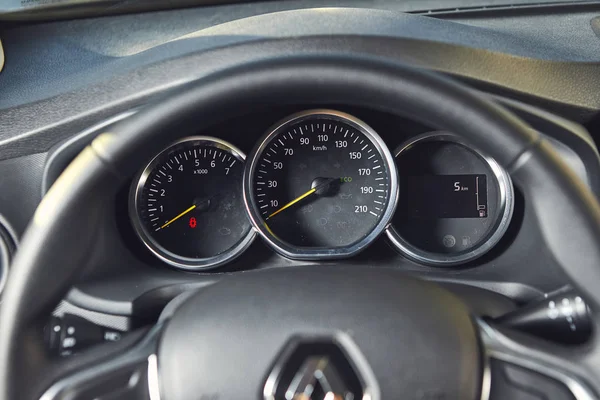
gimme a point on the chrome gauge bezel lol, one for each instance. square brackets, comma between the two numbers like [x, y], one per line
[504, 214]
[319, 253]
[186, 263]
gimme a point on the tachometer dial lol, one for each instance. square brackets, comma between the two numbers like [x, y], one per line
[187, 206]
[321, 185]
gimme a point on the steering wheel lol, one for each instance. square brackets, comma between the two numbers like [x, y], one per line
[370, 333]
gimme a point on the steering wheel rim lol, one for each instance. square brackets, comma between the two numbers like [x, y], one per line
[572, 234]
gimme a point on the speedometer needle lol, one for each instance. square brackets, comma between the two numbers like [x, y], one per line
[319, 186]
[177, 217]
[291, 203]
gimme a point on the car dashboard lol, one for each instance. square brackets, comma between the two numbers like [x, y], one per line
[294, 185]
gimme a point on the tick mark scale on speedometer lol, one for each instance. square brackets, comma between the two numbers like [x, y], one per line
[366, 145]
[374, 213]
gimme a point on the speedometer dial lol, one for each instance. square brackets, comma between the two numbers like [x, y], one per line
[321, 185]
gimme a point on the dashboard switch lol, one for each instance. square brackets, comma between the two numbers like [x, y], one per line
[563, 318]
[70, 334]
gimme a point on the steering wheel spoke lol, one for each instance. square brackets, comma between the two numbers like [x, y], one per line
[522, 366]
[131, 373]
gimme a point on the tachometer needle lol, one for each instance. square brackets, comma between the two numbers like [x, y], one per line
[177, 217]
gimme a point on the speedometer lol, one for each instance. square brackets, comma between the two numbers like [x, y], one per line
[322, 184]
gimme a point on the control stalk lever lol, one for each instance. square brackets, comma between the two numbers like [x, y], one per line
[70, 334]
[563, 318]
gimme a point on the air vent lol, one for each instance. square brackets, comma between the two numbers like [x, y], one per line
[495, 8]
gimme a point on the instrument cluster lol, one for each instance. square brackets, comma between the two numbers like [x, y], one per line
[319, 185]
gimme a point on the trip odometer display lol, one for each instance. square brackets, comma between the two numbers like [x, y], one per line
[320, 185]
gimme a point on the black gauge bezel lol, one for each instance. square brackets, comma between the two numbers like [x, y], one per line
[175, 260]
[319, 253]
[503, 216]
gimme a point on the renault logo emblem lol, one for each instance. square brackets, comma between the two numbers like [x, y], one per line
[318, 379]
[315, 369]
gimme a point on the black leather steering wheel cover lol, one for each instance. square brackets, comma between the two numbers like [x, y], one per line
[58, 242]
[312, 80]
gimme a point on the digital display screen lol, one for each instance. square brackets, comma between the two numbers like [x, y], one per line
[444, 196]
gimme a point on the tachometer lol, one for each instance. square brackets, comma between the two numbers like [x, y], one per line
[187, 205]
[322, 184]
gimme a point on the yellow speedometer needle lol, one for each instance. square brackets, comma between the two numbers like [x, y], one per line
[318, 183]
[177, 217]
[291, 203]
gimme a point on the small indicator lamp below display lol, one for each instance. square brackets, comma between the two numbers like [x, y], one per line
[193, 222]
